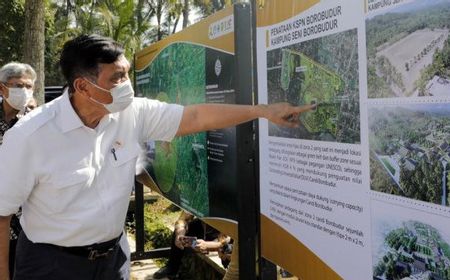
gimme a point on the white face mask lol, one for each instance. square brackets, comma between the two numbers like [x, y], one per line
[18, 98]
[122, 95]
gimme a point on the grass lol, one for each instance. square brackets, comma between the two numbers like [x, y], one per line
[388, 166]
[159, 218]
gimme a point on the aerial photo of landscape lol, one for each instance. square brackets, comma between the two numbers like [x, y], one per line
[323, 71]
[408, 49]
[410, 250]
[410, 151]
[177, 75]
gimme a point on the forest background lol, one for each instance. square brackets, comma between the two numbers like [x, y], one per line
[34, 31]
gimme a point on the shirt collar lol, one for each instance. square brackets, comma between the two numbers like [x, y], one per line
[69, 118]
[114, 116]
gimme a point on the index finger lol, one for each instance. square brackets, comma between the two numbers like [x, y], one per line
[305, 108]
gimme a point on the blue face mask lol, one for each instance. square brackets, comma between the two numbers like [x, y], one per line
[122, 95]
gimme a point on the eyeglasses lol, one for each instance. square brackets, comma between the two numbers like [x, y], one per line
[20, 85]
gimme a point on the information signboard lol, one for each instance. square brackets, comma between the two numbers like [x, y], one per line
[360, 189]
[195, 65]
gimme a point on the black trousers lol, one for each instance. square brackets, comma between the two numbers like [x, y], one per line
[16, 228]
[37, 261]
[12, 257]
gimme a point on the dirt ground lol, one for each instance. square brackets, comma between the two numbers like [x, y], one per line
[404, 50]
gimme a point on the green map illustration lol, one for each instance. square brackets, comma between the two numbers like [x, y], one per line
[177, 75]
[323, 71]
[320, 85]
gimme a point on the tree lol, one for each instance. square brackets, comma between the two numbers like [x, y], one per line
[208, 7]
[11, 31]
[186, 13]
[119, 22]
[34, 43]
[134, 23]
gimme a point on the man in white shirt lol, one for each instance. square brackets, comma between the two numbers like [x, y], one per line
[16, 92]
[70, 163]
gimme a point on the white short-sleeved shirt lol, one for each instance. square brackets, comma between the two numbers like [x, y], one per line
[74, 182]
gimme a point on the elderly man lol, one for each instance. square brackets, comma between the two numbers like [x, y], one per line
[16, 90]
[71, 164]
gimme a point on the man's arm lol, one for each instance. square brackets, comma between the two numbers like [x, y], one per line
[206, 246]
[181, 227]
[4, 247]
[202, 117]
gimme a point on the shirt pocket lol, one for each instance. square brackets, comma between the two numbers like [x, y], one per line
[122, 155]
[123, 161]
[65, 190]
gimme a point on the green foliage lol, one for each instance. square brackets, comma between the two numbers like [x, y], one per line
[386, 29]
[391, 130]
[112, 18]
[156, 221]
[388, 165]
[133, 23]
[208, 7]
[391, 27]
[389, 74]
[165, 165]
[379, 87]
[322, 70]
[425, 182]
[178, 74]
[158, 235]
[411, 244]
[390, 270]
[379, 269]
[397, 265]
[379, 180]
[321, 85]
[11, 30]
[439, 67]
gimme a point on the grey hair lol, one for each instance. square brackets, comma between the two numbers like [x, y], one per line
[16, 70]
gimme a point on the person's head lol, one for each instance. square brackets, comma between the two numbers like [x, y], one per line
[32, 104]
[93, 65]
[17, 81]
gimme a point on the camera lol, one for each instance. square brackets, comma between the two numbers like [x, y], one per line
[227, 248]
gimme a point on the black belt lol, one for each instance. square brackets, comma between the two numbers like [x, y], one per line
[91, 252]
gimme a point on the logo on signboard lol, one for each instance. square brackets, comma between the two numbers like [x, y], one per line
[221, 27]
[218, 67]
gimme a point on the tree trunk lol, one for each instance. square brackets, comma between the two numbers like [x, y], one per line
[174, 29]
[158, 19]
[34, 43]
[185, 13]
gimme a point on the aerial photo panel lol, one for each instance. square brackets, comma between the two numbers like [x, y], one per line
[177, 75]
[410, 151]
[409, 248]
[322, 71]
[408, 49]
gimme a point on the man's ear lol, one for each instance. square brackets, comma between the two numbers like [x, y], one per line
[4, 91]
[81, 86]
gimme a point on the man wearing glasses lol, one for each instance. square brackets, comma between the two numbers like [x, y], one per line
[16, 89]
